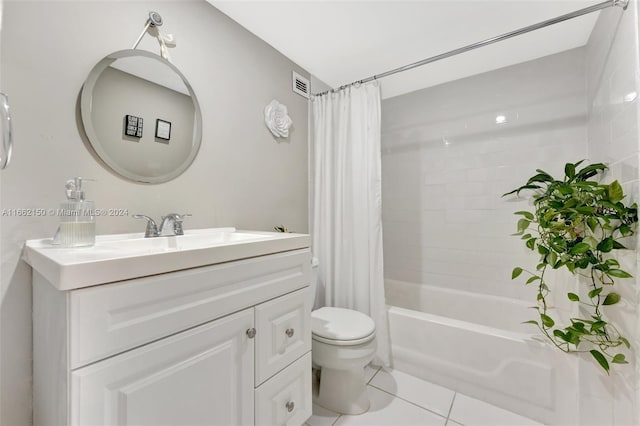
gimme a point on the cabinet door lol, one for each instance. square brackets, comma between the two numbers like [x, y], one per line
[203, 376]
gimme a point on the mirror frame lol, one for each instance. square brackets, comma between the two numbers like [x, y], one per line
[86, 102]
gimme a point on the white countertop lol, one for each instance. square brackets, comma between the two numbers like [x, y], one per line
[125, 256]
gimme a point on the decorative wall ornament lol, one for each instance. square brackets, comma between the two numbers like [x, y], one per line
[277, 119]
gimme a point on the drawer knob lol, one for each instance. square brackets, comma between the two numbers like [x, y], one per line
[290, 406]
[289, 333]
[251, 333]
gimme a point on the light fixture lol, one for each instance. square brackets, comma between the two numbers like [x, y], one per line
[501, 119]
[630, 97]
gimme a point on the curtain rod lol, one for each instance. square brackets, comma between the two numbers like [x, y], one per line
[596, 7]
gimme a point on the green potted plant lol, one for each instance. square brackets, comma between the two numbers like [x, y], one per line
[578, 224]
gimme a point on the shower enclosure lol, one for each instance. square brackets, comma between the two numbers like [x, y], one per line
[448, 153]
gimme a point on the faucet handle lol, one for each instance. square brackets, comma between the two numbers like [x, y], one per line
[176, 216]
[152, 228]
[177, 222]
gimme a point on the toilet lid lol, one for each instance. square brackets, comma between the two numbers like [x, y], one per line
[340, 324]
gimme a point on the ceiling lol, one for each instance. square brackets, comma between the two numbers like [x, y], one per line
[343, 41]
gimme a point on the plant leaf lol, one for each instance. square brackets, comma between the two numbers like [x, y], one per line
[619, 359]
[532, 279]
[601, 359]
[565, 189]
[517, 190]
[531, 243]
[590, 170]
[618, 273]
[570, 170]
[573, 297]
[526, 214]
[611, 299]
[580, 248]
[560, 334]
[612, 262]
[585, 209]
[617, 245]
[540, 177]
[516, 273]
[605, 245]
[522, 225]
[614, 191]
[593, 293]
[547, 320]
[625, 341]
[597, 325]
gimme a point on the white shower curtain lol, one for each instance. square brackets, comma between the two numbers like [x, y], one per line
[347, 222]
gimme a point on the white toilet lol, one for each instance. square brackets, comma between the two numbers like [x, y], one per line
[343, 343]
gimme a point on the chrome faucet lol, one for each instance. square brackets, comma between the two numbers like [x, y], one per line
[152, 230]
[176, 220]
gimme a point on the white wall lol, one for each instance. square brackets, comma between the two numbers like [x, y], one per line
[446, 163]
[613, 73]
[242, 176]
[1, 20]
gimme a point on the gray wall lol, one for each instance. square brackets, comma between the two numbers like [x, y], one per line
[117, 94]
[242, 176]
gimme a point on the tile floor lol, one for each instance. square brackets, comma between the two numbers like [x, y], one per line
[399, 399]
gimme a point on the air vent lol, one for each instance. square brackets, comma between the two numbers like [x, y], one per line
[300, 84]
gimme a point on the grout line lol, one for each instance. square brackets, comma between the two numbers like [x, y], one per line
[451, 407]
[374, 374]
[406, 400]
[336, 420]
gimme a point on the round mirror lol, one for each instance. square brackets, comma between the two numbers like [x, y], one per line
[141, 116]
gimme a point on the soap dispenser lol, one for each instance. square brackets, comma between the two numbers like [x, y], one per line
[77, 217]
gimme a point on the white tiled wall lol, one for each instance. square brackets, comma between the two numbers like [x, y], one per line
[613, 83]
[446, 163]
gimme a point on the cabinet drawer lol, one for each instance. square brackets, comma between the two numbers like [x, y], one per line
[110, 319]
[283, 332]
[285, 399]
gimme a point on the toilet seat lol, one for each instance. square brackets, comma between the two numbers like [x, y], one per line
[341, 327]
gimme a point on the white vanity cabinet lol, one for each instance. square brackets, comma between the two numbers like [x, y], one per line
[222, 344]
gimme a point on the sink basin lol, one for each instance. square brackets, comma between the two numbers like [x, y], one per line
[190, 240]
[125, 256]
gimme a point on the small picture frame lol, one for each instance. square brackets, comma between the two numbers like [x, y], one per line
[163, 129]
[133, 126]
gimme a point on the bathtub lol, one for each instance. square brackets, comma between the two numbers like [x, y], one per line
[475, 344]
